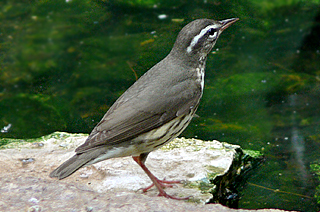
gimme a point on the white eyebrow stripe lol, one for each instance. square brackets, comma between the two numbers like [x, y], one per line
[198, 36]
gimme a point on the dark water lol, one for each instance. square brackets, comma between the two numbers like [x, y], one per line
[64, 63]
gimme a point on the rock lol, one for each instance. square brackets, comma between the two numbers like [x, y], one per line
[111, 185]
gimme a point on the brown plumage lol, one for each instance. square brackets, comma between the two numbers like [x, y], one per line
[156, 108]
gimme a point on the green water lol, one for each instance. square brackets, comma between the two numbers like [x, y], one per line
[64, 63]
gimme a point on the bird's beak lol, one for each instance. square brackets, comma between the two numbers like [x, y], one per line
[226, 23]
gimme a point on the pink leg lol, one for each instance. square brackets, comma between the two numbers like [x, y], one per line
[160, 184]
[163, 184]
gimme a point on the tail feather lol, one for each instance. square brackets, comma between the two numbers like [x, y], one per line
[69, 167]
[80, 160]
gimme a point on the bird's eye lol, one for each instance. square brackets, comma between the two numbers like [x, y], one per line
[212, 32]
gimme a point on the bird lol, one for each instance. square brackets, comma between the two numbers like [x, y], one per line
[156, 108]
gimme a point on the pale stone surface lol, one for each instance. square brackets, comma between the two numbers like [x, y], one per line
[111, 185]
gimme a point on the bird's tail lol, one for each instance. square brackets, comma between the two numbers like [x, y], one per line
[76, 162]
[69, 167]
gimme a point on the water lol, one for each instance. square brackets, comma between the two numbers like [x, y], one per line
[285, 178]
[63, 63]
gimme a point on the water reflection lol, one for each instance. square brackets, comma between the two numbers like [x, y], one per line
[298, 147]
[297, 141]
[285, 178]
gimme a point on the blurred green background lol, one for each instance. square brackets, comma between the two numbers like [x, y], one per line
[63, 64]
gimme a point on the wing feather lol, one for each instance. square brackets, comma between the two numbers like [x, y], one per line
[146, 105]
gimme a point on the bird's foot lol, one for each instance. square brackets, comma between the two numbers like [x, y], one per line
[160, 184]
[163, 183]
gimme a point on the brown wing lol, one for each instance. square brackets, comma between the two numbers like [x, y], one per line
[146, 105]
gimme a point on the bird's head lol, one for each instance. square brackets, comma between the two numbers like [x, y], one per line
[197, 38]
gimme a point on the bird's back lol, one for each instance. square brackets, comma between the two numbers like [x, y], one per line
[148, 104]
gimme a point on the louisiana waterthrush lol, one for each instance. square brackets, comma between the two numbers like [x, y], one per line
[156, 108]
